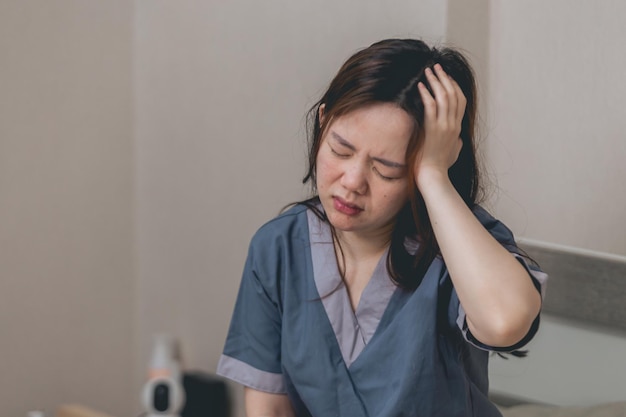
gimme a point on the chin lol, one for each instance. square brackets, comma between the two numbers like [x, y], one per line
[339, 222]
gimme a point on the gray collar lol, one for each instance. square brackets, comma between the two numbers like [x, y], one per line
[353, 330]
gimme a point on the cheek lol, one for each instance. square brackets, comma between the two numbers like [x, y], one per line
[325, 171]
[395, 198]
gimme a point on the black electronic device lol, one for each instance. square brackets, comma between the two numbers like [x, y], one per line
[206, 395]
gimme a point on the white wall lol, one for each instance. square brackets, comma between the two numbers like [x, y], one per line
[557, 124]
[567, 364]
[213, 99]
[187, 117]
[221, 91]
[66, 297]
[558, 112]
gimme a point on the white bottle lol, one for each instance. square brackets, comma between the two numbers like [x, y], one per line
[163, 393]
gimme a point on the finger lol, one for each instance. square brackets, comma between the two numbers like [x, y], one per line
[446, 82]
[461, 100]
[430, 106]
[440, 95]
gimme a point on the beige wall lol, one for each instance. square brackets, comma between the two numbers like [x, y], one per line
[557, 137]
[557, 147]
[142, 143]
[467, 28]
[552, 115]
[66, 297]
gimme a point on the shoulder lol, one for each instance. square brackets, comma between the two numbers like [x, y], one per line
[278, 248]
[497, 229]
[290, 224]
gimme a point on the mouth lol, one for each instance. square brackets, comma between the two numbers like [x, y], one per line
[346, 207]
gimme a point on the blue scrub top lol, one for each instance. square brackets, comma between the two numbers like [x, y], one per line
[401, 353]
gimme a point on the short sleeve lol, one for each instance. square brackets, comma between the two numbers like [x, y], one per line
[539, 278]
[252, 350]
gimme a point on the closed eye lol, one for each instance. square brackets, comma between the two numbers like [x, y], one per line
[386, 178]
[340, 155]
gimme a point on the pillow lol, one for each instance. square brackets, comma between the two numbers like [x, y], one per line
[617, 409]
[76, 410]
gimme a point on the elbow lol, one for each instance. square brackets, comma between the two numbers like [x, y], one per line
[508, 327]
[505, 335]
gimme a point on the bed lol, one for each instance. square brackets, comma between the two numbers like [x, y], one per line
[76, 410]
[576, 366]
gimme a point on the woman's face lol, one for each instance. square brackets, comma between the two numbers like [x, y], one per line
[361, 168]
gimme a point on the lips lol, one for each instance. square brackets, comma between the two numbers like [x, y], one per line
[346, 207]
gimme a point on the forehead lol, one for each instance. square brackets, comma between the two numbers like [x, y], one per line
[382, 128]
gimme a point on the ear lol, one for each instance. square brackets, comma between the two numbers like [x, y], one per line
[321, 112]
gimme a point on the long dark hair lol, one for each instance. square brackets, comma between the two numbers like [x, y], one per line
[388, 72]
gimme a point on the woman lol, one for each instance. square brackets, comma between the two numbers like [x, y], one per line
[383, 294]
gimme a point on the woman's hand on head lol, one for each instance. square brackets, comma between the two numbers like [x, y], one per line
[443, 115]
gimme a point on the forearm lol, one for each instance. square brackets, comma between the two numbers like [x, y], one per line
[263, 404]
[495, 290]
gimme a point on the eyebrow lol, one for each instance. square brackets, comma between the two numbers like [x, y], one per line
[350, 146]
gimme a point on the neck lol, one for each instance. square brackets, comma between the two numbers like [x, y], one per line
[359, 246]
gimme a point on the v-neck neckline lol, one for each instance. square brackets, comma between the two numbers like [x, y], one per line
[353, 329]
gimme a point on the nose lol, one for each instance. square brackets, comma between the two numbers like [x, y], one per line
[354, 177]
